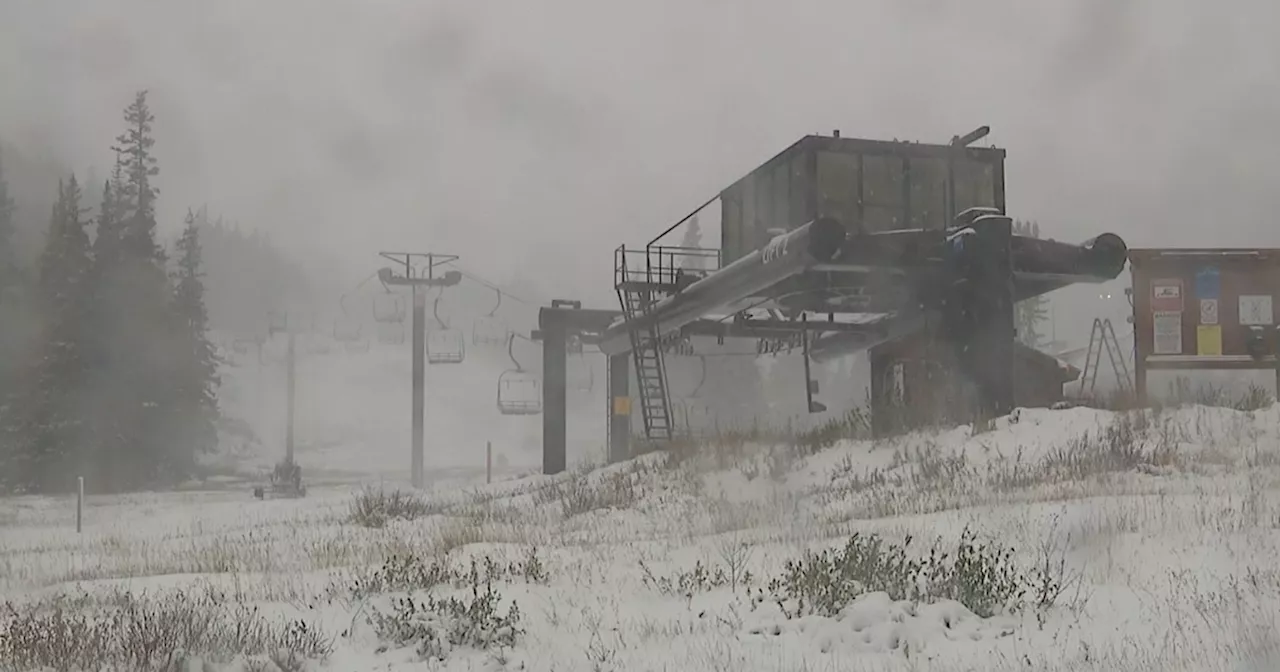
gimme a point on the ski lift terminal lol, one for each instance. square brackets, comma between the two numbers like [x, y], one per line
[858, 242]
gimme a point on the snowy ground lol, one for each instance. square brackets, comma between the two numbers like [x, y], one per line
[1155, 535]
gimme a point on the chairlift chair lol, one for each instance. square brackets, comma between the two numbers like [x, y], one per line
[519, 391]
[696, 417]
[277, 321]
[702, 378]
[300, 323]
[389, 309]
[273, 351]
[488, 329]
[445, 345]
[573, 346]
[346, 331]
[585, 382]
[690, 410]
[317, 346]
[391, 333]
[243, 346]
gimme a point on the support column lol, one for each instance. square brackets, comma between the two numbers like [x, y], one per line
[1140, 381]
[985, 332]
[881, 420]
[291, 393]
[619, 391]
[554, 403]
[419, 384]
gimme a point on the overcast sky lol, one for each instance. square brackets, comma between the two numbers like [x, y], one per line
[534, 137]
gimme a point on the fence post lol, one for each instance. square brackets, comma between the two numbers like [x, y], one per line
[488, 462]
[79, 503]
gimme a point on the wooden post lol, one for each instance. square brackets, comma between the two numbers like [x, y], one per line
[488, 462]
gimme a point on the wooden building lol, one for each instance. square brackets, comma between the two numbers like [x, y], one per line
[1204, 310]
[869, 185]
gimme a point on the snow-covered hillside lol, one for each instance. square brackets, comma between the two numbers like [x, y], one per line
[1142, 541]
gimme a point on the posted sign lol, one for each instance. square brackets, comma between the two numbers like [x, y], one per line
[1209, 340]
[1208, 283]
[1208, 311]
[1166, 295]
[1255, 310]
[1167, 332]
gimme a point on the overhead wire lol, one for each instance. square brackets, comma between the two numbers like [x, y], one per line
[362, 282]
[493, 285]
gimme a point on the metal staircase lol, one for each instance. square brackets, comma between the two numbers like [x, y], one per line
[1103, 337]
[651, 374]
[642, 278]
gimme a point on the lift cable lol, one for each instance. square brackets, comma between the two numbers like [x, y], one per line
[492, 285]
[342, 299]
[361, 284]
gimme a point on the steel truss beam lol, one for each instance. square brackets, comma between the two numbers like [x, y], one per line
[917, 258]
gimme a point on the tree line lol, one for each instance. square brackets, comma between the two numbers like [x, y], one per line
[108, 370]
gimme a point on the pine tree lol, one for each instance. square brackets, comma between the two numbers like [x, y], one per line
[692, 238]
[1031, 313]
[136, 358]
[136, 195]
[9, 338]
[48, 413]
[64, 263]
[110, 221]
[8, 259]
[198, 386]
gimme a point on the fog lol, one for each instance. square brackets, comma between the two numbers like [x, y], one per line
[516, 133]
[533, 138]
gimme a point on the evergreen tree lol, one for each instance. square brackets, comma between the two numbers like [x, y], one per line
[136, 194]
[8, 258]
[64, 263]
[1029, 315]
[108, 230]
[198, 383]
[692, 238]
[137, 357]
[51, 427]
[9, 337]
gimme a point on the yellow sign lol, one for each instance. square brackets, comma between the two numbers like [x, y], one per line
[622, 405]
[1209, 340]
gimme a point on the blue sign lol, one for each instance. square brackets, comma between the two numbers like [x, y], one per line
[1208, 284]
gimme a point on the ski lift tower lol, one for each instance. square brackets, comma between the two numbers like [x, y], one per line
[419, 274]
[286, 477]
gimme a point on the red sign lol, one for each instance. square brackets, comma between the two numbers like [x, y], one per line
[1166, 295]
